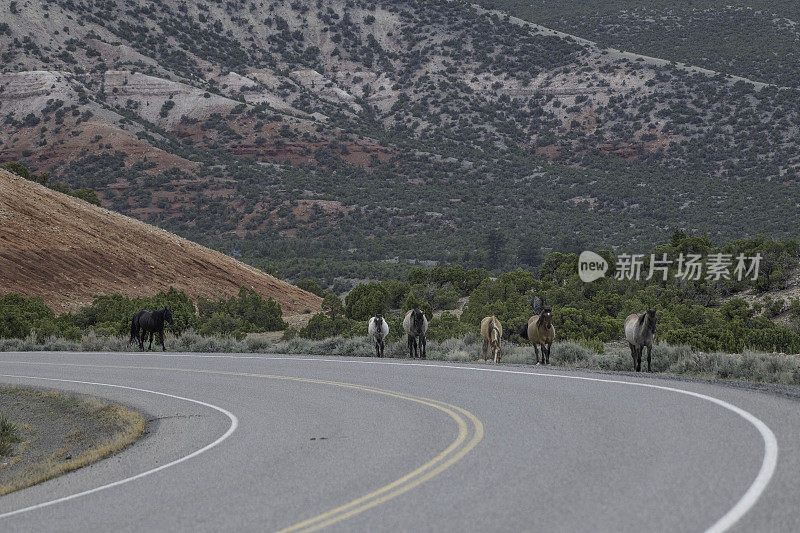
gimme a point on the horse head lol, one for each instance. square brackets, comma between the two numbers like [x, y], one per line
[546, 318]
[168, 315]
[651, 320]
[378, 320]
[418, 319]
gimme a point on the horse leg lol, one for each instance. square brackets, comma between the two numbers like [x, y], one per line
[383, 346]
[633, 355]
[412, 346]
[150, 347]
[423, 344]
[163, 348]
[141, 336]
[649, 351]
[548, 353]
[536, 352]
[485, 348]
[639, 350]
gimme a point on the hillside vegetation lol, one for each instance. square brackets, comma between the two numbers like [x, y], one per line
[756, 39]
[344, 140]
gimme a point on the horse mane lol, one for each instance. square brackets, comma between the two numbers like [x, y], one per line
[640, 322]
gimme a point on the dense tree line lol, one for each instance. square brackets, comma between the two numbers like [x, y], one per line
[238, 315]
[43, 178]
[702, 313]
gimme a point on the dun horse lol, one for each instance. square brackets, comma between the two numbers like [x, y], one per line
[540, 331]
[378, 329]
[639, 332]
[149, 322]
[492, 333]
[415, 325]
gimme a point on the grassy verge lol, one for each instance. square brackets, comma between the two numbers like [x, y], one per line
[64, 432]
[747, 366]
[9, 435]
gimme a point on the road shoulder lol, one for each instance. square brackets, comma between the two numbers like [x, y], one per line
[60, 432]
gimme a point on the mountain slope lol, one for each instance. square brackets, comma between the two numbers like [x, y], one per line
[757, 39]
[341, 139]
[68, 251]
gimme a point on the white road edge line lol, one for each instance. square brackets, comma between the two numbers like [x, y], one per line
[728, 520]
[228, 433]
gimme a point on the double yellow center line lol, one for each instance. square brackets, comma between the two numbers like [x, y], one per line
[468, 424]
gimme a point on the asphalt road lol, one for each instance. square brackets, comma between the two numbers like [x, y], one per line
[266, 443]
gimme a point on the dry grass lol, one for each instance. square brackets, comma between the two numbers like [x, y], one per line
[128, 426]
[9, 435]
[747, 366]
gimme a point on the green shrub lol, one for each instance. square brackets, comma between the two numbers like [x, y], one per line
[448, 326]
[365, 301]
[238, 315]
[322, 326]
[20, 315]
[9, 435]
[413, 302]
[332, 305]
[112, 314]
[311, 286]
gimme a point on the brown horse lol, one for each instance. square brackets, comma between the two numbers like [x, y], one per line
[540, 331]
[492, 333]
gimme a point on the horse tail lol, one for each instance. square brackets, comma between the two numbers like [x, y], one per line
[492, 328]
[134, 330]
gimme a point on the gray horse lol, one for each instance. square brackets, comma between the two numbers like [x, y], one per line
[415, 325]
[639, 332]
[378, 329]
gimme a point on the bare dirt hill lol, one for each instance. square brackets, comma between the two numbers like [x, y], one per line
[68, 251]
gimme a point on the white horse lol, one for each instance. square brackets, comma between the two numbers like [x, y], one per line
[378, 329]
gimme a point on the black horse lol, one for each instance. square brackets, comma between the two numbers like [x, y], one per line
[415, 325]
[145, 322]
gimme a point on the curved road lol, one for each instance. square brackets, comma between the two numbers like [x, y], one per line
[269, 443]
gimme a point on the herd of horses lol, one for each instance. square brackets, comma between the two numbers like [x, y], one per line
[640, 329]
[539, 331]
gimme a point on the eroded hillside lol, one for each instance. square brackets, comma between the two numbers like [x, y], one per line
[68, 251]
